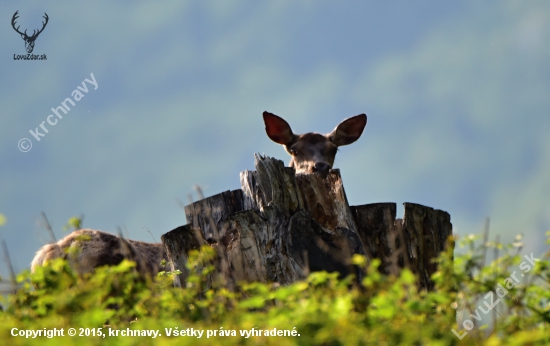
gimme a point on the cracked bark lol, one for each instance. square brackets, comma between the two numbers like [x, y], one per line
[280, 226]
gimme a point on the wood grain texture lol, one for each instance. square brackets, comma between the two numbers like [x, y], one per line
[280, 226]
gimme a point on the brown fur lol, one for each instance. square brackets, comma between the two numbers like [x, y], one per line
[90, 249]
[313, 152]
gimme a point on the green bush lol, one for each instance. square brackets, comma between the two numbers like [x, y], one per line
[321, 310]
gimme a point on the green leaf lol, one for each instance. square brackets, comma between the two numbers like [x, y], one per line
[74, 222]
[254, 302]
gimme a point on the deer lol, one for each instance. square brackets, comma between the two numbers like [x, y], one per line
[87, 249]
[29, 40]
[313, 152]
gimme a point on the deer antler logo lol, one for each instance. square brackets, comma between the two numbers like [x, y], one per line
[29, 40]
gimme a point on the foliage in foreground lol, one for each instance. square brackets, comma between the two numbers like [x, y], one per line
[320, 310]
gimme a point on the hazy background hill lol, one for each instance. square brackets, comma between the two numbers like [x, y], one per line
[457, 96]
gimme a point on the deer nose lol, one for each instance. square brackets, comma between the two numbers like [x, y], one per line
[321, 168]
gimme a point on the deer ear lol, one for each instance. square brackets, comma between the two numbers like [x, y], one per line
[348, 131]
[278, 129]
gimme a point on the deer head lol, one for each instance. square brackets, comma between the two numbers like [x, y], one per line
[313, 152]
[29, 40]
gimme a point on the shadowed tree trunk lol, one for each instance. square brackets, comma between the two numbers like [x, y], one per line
[280, 226]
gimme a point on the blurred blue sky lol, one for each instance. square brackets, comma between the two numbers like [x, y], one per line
[457, 96]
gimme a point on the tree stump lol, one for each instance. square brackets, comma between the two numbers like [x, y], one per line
[280, 226]
[412, 242]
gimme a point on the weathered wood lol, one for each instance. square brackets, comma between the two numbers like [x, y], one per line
[376, 227]
[271, 184]
[208, 213]
[271, 193]
[318, 249]
[178, 243]
[310, 222]
[425, 231]
[326, 200]
[281, 226]
[412, 242]
[248, 251]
